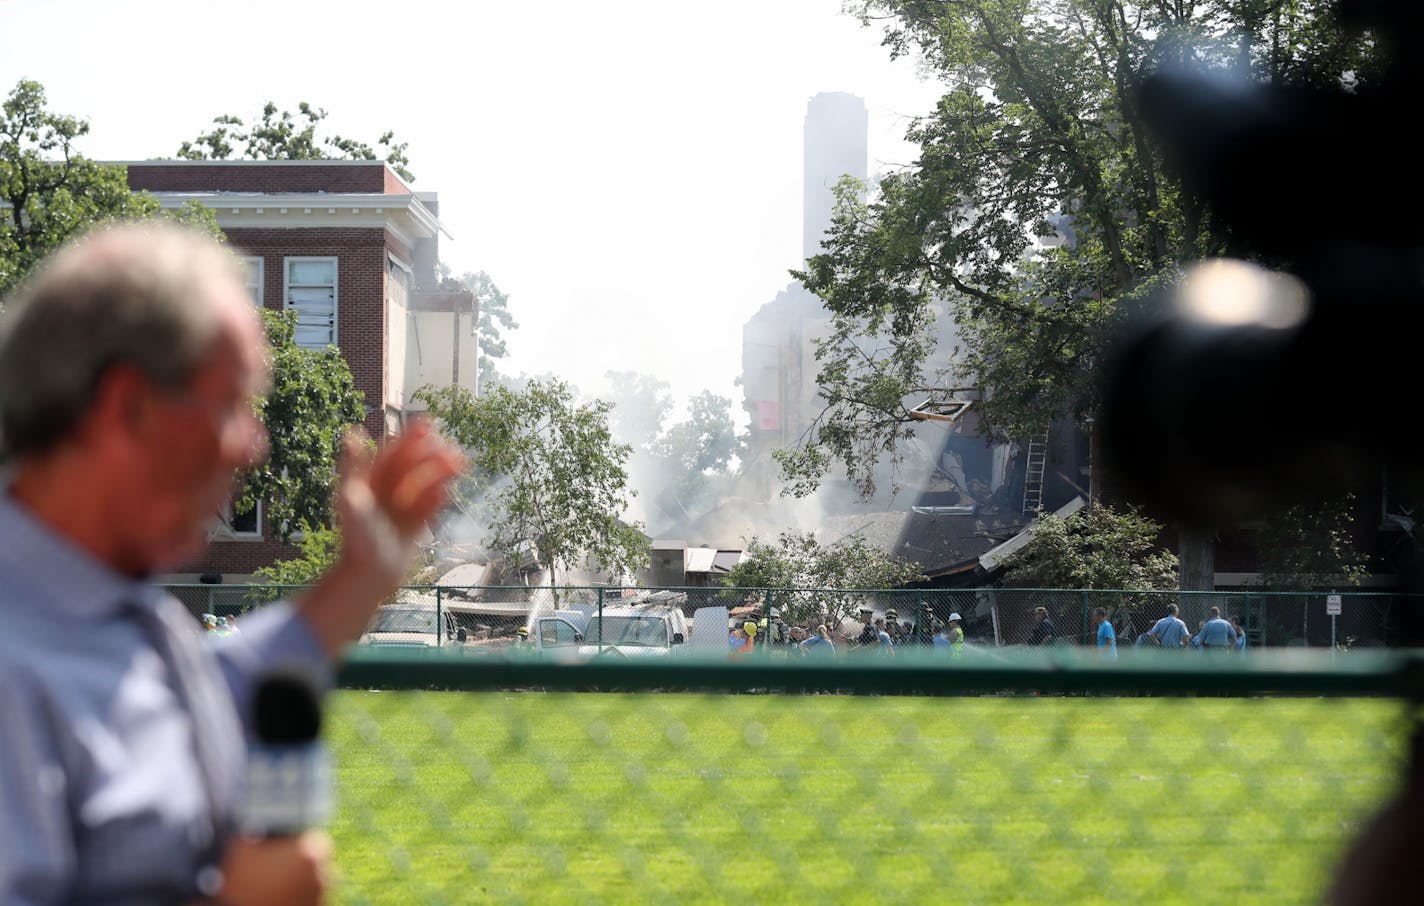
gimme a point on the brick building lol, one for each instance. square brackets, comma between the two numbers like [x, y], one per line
[352, 248]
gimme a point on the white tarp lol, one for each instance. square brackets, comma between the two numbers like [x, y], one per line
[709, 631]
[699, 559]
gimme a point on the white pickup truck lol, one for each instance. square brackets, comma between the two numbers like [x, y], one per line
[411, 626]
[626, 630]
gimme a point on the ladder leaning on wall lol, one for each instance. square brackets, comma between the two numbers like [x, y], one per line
[1033, 478]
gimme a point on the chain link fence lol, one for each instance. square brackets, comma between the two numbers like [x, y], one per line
[495, 618]
[579, 772]
[1041, 777]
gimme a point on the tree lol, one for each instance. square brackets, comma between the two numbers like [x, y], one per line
[51, 193]
[312, 402]
[320, 548]
[681, 466]
[1038, 135]
[696, 451]
[1097, 548]
[641, 404]
[809, 580]
[707, 440]
[278, 135]
[1309, 545]
[494, 319]
[552, 471]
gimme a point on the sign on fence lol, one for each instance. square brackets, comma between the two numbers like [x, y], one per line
[1332, 605]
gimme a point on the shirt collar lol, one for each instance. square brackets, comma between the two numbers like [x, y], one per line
[52, 568]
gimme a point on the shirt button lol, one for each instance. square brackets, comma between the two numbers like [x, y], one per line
[210, 880]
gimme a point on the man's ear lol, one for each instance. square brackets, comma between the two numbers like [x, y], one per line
[121, 407]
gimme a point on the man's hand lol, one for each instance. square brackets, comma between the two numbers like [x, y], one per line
[383, 503]
[277, 871]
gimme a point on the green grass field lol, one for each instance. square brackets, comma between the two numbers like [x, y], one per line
[447, 797]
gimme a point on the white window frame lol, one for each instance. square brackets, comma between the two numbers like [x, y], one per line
[287, 263]
[256, 269]
[223, 529]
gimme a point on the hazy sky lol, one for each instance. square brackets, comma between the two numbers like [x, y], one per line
[630, 173]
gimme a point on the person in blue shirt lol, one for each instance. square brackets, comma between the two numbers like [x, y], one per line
[940, 640]
[820, 643]
[128, 369]
[1107, 638]
[1216, 634]
[885, 643]
[1169, 632]
[1240, 628]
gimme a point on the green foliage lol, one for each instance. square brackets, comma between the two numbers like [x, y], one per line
[551, 472]
[1309, 546]
[320, 548]
[641, 404]
[937, 281]
[1094, 548]
[685, 465]
[279, 135]
[312, 403]
[50, 192]
[799, 561]
[706, 441]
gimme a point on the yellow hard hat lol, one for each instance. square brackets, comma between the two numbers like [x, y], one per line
[749, 627]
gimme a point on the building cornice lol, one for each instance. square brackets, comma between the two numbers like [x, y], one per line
[403, 214]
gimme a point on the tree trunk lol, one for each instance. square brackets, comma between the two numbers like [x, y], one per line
[1196, 549]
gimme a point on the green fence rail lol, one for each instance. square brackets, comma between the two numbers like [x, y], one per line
[1024, 776]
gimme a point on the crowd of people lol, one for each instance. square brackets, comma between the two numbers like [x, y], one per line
[1215, 633]
[886, 634]
[222, 627]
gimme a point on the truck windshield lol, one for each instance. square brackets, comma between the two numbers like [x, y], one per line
[645, 631]
[403, 619]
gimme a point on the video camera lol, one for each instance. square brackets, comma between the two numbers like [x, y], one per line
[1247, 387]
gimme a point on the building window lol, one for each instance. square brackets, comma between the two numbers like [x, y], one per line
[252, 268]
[231, 526]
[311, 293]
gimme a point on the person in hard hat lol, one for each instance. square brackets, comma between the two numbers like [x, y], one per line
[955, 634]
[210, 622]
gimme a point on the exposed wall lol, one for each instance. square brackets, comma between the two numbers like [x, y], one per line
[441, 348]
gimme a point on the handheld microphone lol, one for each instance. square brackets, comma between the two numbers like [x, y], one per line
[288, 769]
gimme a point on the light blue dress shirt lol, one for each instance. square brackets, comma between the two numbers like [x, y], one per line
[107, 792]
[1170, 631]
[1217, 633]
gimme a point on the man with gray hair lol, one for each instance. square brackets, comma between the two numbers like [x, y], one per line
[129, 367]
